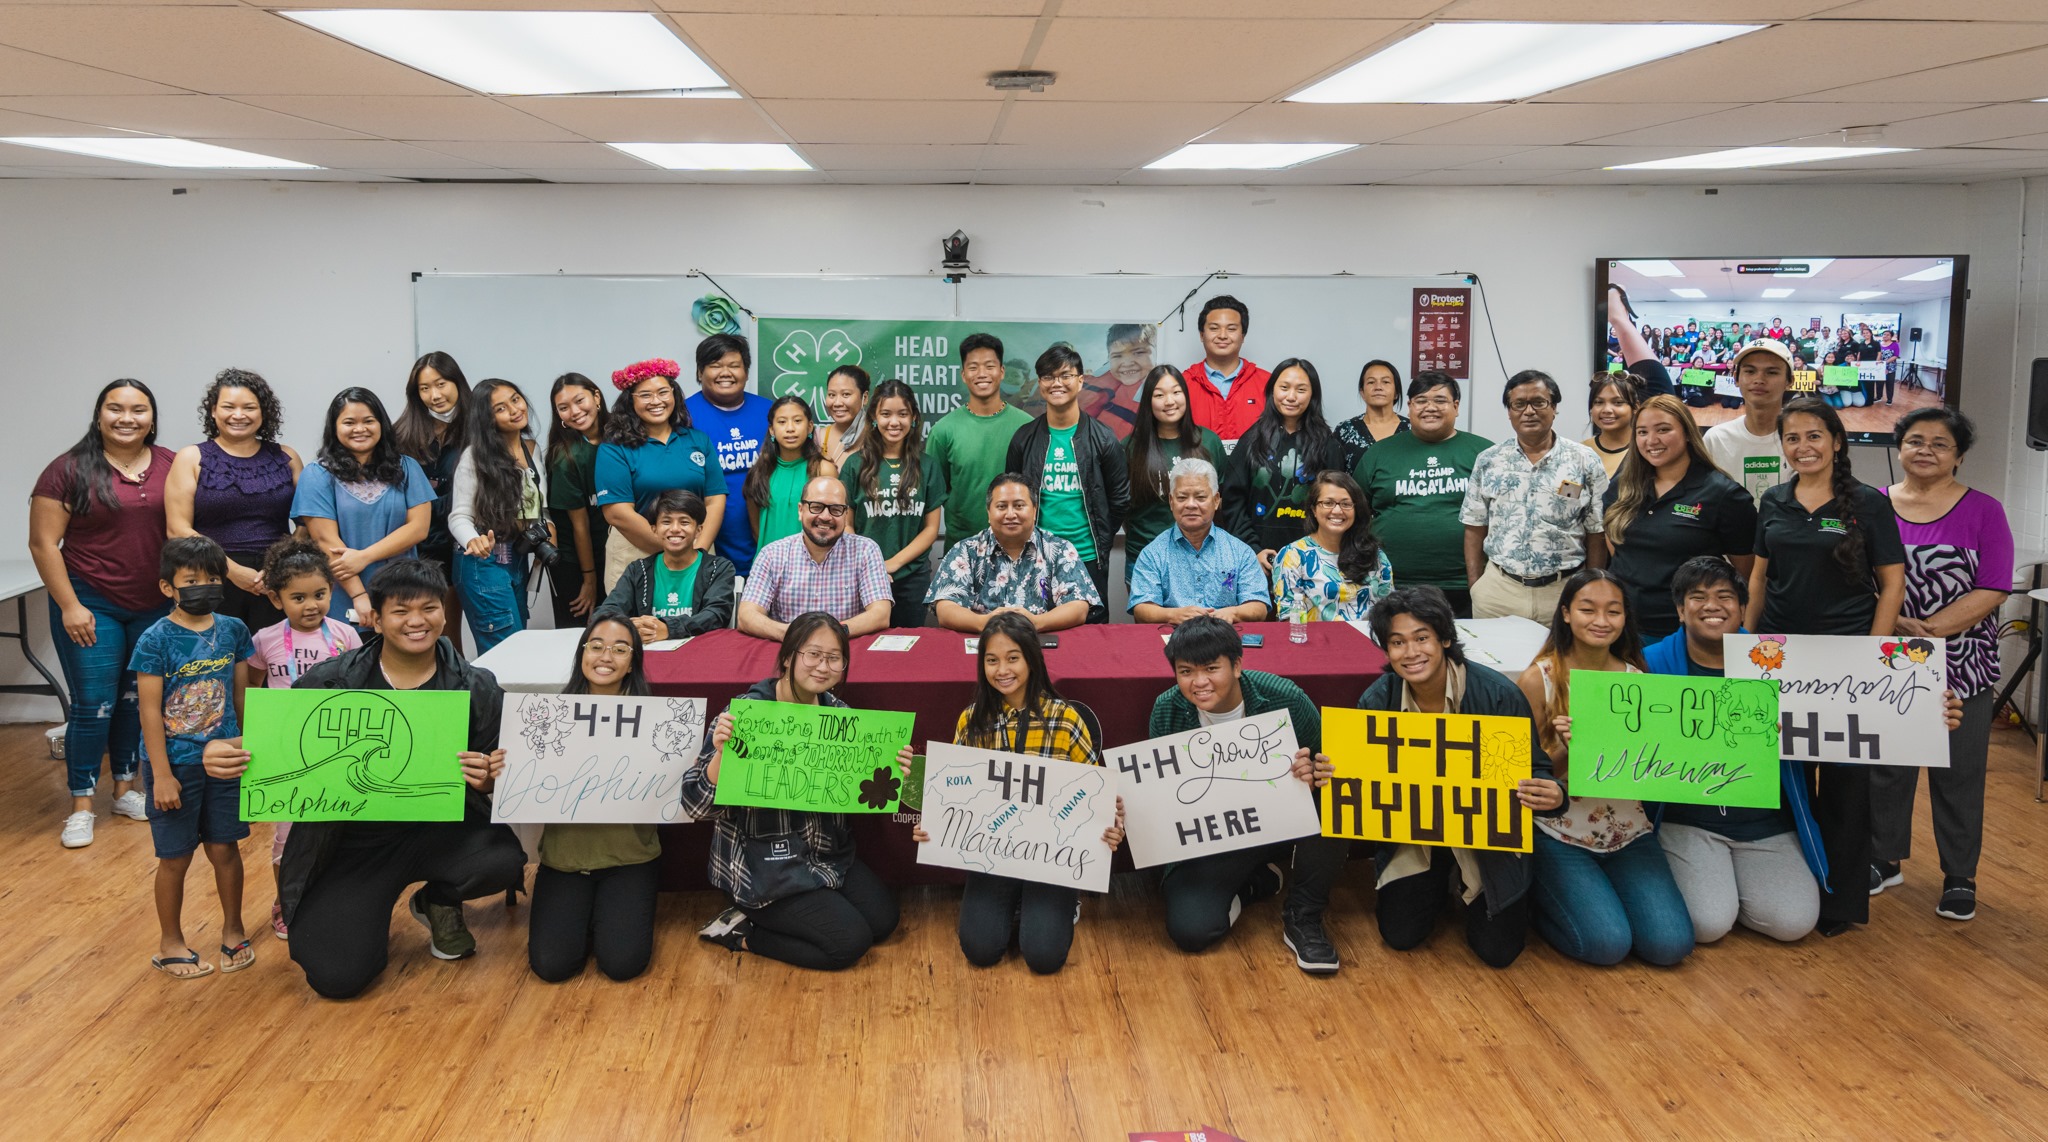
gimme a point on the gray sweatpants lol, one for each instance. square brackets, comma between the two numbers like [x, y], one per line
[1765, 884]
[1957, 794]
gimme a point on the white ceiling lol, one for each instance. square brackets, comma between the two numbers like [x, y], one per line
[1722, 282]
[894, 91]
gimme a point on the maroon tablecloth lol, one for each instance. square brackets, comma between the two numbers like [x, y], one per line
[1118, 670]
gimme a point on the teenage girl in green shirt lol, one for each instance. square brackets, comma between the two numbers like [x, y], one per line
[776, 482]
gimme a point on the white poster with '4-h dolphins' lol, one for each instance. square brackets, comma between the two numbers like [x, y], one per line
[592, 760]
[1863, 700]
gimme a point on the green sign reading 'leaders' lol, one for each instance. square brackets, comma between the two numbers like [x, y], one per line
[354, 755]
[820, 759]
[798, 354]
[1659, 737]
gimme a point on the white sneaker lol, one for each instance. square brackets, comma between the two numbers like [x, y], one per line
[77, 830]
[132, 806]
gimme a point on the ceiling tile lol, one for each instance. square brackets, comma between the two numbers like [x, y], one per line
[1791, 59]
[1558, 123]
[21, 123]
[1469, 177]
[416, 116]
[1186, 60]
[884, 120]
[223, 51]
[652, 120]
[1962, 128]
[1767, 123]
[2023, 142]
[901, 57]
[187, 116]
[2017, 76]
[1338, 122]
[1637, 11]
[537, 156]
[26, 73]
[1571, 158]
[1154, 127]
[851, 157]
[1943, 10]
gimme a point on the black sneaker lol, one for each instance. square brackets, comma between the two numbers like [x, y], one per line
[729, 930]
[1304, 936]
[1958, 899]
[1883, 875]
[447, 933]
[1264, 884]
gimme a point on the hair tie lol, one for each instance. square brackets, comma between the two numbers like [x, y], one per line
[633, 374]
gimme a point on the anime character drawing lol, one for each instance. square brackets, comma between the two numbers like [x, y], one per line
[1768, 653]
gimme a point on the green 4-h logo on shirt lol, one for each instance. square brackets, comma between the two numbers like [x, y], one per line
[1059, 453]
[674, 599]
[1833, 527]
[1687, 511]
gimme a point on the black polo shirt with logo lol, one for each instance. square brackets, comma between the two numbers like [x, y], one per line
[1704, 513]
[1807, 592]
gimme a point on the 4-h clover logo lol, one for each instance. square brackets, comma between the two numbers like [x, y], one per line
[1059, 453]
[803, 361]
[879, 791]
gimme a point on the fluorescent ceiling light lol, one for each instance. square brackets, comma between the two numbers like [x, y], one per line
[160, 152]
[1689, 293]
[716, 156]
[1742, 157]
[1655, 268]
[1497, 62]
[525, 53]
[1933, 273]
[1863, 295]
[1245, 156]
[1775, 294]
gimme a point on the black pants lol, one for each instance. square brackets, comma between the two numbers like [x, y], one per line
[341, 932]
[909, 609]
[1205, 895]
[1098, 573]
[609, 911]
[1956, 793]
[827, 928]
[1841, 807]
[256, 611]
[1461, 601]
[1317, 862]
[1041, 916]
[1408, 910]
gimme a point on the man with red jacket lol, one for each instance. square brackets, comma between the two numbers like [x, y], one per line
[1226, 393]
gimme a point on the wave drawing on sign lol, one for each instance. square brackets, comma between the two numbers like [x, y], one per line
[369, 739]
[804, 361]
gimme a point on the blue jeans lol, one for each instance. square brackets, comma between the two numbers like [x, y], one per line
[493, 596]
[1595, 907]
[103, 719]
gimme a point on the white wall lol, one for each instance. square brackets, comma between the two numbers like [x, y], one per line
[309, 284]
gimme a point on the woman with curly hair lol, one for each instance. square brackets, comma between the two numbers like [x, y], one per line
[235, 487]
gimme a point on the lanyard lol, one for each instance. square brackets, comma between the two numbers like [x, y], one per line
[291, 648]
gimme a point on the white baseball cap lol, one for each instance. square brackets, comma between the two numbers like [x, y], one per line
[1771, 345]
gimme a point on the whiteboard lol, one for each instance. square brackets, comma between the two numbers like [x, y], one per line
[531, 328]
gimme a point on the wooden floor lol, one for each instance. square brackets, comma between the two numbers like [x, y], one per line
[1913, 1027]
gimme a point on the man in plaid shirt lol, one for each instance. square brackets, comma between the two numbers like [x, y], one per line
[821, 569]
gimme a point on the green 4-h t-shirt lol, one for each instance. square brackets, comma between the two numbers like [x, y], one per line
[1061, 508]
[970, 451]
[1416, 488]
[674, 590]
[881, 518]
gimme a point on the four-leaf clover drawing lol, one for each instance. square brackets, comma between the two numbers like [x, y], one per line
[879, 791]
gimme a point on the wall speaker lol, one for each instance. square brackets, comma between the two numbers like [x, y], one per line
[1914, 336]
[2037, 407]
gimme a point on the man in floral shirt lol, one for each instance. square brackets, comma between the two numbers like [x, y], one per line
[1012, 566]
[1532, 509]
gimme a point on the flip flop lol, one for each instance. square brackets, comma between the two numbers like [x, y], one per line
[165, 963]
[232, 960]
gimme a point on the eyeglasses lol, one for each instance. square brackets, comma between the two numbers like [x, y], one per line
[601, 648]
[830, 659]
[1919, 444]
[818, 507]
[1533, 404]
[1431, 402]
[1065, 375]
[1334, 505]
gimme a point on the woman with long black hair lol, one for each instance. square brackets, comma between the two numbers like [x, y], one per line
[1266, 483]
[571, 457]
[897, 491]
[496, 501]
[96, 532]
[1338, 570]
[430, 431]
[650, 448]
[594, 891]
[1829, 560]
[1162, 430]
[363, 501]
[788, 461]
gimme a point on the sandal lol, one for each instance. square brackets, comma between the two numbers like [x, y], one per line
[164, 964]
[233, 958]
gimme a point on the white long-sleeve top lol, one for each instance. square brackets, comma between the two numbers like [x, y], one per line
[462, 498]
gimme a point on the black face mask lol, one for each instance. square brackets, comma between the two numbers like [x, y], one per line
[201, 598]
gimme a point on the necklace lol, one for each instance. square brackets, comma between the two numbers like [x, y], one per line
[128, 473]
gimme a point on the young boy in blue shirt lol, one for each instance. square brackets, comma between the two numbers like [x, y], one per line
[190, 692]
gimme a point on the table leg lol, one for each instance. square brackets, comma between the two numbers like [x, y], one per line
[51, 685]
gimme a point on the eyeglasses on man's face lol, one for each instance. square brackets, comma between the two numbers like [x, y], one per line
[820, 507]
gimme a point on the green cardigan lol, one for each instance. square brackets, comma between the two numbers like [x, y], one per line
[1172, 713]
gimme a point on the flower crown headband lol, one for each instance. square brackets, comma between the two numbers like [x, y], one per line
[633, 374]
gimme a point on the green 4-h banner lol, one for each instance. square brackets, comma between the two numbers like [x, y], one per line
[799, 353]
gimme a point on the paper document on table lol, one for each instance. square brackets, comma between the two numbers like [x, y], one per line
[667, 644]
[893, 642]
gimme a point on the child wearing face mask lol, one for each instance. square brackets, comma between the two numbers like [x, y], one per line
[189, 691]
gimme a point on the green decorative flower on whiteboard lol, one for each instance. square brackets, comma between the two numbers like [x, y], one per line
[803, 360]
[713, 314]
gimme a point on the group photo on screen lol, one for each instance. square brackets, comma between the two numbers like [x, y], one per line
[1870, 336]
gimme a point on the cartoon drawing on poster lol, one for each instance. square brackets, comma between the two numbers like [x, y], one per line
[1673, 738]
[1853, 699]
[354, 755]
[1007, 814]
[596, 760]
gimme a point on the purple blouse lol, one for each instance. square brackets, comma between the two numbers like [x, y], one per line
[1968, 549]
[243, 504]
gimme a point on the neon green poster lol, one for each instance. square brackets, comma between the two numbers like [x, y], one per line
[799, 353]
[354, 755]
[823, 759]
[1668, 737]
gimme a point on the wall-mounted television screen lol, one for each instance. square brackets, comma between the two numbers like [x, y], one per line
[1873, 336]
